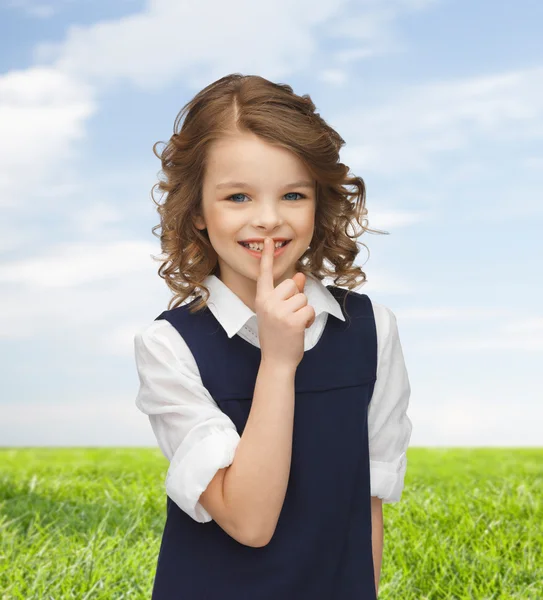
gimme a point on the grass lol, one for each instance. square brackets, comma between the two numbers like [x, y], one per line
[86, 523]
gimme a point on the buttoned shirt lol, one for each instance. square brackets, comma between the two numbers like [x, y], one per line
[198, 439]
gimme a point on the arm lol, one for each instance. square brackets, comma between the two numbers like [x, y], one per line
[201, 442]
[249, 494]
[377, 534]
[389, 426]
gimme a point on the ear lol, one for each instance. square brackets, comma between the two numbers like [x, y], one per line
[199, 222]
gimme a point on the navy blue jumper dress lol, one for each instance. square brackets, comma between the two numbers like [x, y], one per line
[321, 548]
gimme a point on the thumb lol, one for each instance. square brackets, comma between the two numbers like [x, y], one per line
[300, 279]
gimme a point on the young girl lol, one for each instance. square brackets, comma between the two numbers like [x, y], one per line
[280, 402]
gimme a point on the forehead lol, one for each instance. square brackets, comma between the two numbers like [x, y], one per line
[245, 155]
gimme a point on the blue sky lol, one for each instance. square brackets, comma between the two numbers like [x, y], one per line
[441, 108]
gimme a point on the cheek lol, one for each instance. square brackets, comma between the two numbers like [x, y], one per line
[305, 224]
[223, 222]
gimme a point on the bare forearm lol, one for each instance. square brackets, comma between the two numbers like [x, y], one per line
[377, 535]
[255, 484]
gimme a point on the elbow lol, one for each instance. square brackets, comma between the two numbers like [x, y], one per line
[247, 536]
[255, 537]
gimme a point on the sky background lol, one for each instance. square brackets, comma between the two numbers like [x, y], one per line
[441, 107]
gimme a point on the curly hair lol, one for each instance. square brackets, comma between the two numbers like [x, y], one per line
[250, 103]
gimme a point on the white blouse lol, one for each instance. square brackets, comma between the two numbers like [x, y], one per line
[198, 439]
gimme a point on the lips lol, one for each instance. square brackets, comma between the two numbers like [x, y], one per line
[255, 241]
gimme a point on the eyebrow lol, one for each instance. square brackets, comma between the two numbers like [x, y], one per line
[232, 184]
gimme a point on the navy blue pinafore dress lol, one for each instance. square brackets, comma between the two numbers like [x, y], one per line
[321, 548]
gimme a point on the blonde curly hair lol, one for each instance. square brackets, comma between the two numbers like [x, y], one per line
[249, 103]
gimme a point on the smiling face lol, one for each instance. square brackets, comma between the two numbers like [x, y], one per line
[266, 204]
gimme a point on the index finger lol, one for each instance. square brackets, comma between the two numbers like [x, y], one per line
[264, 284]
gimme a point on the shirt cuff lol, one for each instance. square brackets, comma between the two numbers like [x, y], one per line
[387, 479]
[190, 473]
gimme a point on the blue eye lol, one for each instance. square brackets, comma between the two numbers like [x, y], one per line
[296, 193]
[289, 194]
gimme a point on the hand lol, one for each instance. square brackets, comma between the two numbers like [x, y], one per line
[283, 313]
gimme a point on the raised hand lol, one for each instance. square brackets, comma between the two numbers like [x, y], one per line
[283, 312]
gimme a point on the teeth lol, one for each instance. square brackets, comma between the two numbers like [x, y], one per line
[260, 246]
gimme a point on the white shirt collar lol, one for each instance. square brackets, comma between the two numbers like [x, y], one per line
[232, 313]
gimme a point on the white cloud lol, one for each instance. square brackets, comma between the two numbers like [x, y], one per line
[353, 54]
[42, 115]
[393, 219]
[94, 218]
[470, 419]
[520, 342]
[69, 264]
[119, 341]
[92, 289]
[191, 41]
[505, 330]
[453, 313]
[99, 420]
[534, 162]
[409, 132]
[382, 282]
[532, 325]
[333, 76]
[37, 10]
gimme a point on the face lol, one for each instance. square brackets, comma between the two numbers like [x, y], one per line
[266, 204]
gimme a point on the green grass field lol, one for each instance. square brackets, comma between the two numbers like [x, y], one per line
[86, 523]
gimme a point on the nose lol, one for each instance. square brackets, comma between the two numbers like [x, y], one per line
[268, 217]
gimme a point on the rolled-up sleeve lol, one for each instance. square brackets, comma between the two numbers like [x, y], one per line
[191, 430]
[389, 427]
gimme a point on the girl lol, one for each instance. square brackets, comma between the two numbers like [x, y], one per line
[280, 402]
